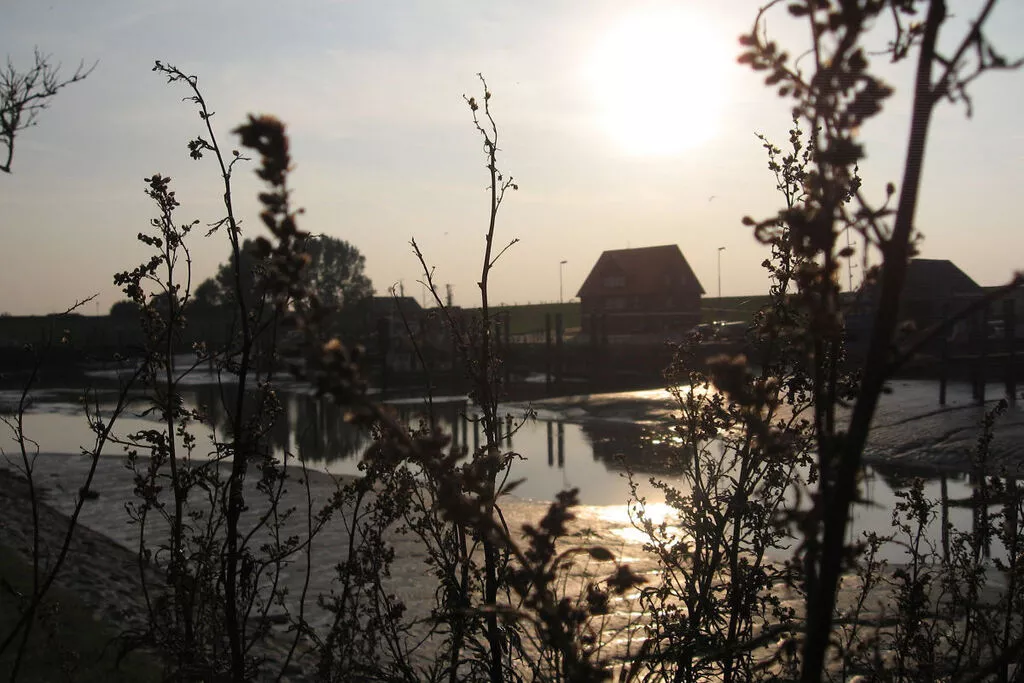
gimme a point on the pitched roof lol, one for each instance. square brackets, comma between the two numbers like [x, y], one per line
[937, 279]
[644, 269]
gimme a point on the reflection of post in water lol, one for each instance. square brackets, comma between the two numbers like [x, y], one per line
[453, 421]
[280, 432]
[1010, 511]
[465, 428]
[979, 512]
[551, 450]
[561, 445]
[476, 435]
[508, 430]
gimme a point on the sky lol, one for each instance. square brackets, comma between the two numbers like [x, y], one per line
[625, 124]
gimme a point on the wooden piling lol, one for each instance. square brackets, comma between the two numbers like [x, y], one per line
[1010, 335]
[559, 358]
[943, 359]
[547, 354]
[974, 336]
[983, 353]
[506, 359]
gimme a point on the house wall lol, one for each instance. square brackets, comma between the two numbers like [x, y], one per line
[638, 314]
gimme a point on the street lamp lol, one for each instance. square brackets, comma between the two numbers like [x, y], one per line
[720, 250]
[560, 264]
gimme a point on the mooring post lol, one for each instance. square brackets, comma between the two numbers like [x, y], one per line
[943, 358]
[973, 354]
[547, 354]
[1010, 334]
[559, 360]
[983, 360]
[506, 357]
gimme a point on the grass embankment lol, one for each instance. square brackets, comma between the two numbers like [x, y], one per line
[530, 318]
[732, 308]
[67, 643]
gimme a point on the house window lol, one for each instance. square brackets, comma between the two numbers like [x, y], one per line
[614, 281]
[616, 303]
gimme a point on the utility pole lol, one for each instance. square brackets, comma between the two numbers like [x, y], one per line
[560, 268]
[720, 250]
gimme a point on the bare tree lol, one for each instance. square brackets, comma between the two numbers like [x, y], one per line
[24, 94]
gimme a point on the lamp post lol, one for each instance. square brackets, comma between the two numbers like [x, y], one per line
[720, 250]
[560, 264]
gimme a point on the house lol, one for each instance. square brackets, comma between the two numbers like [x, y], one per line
[931, 286]
[933, 289]
[648, 290]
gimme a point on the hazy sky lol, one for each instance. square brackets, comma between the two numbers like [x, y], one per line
[624, 123]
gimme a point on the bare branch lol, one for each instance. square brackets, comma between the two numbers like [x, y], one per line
[25, 94]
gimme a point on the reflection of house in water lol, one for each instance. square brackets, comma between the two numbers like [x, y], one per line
[626, 446]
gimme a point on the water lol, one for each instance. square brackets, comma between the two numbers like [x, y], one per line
[587, 443]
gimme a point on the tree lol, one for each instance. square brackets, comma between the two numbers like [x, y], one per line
[335, 273]
[124, 310]
[24, 94]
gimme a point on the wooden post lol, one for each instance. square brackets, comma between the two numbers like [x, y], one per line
[1010, 334]
[384, 344]
[559, 359]
[547, 354]
[943, 359]
[506, 358]
[973, 355]
[983, 355]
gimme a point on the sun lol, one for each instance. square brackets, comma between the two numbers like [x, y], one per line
[658, 79]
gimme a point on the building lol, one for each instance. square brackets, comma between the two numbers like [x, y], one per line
[933, 289]
[648, 290]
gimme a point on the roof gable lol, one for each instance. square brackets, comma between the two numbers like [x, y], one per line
[936, 279]
[645, 271]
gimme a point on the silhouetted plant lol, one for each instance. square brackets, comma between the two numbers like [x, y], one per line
[452, 507]
[835, 96]
[47, 562]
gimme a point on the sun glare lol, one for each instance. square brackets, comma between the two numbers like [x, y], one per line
[658, 80]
